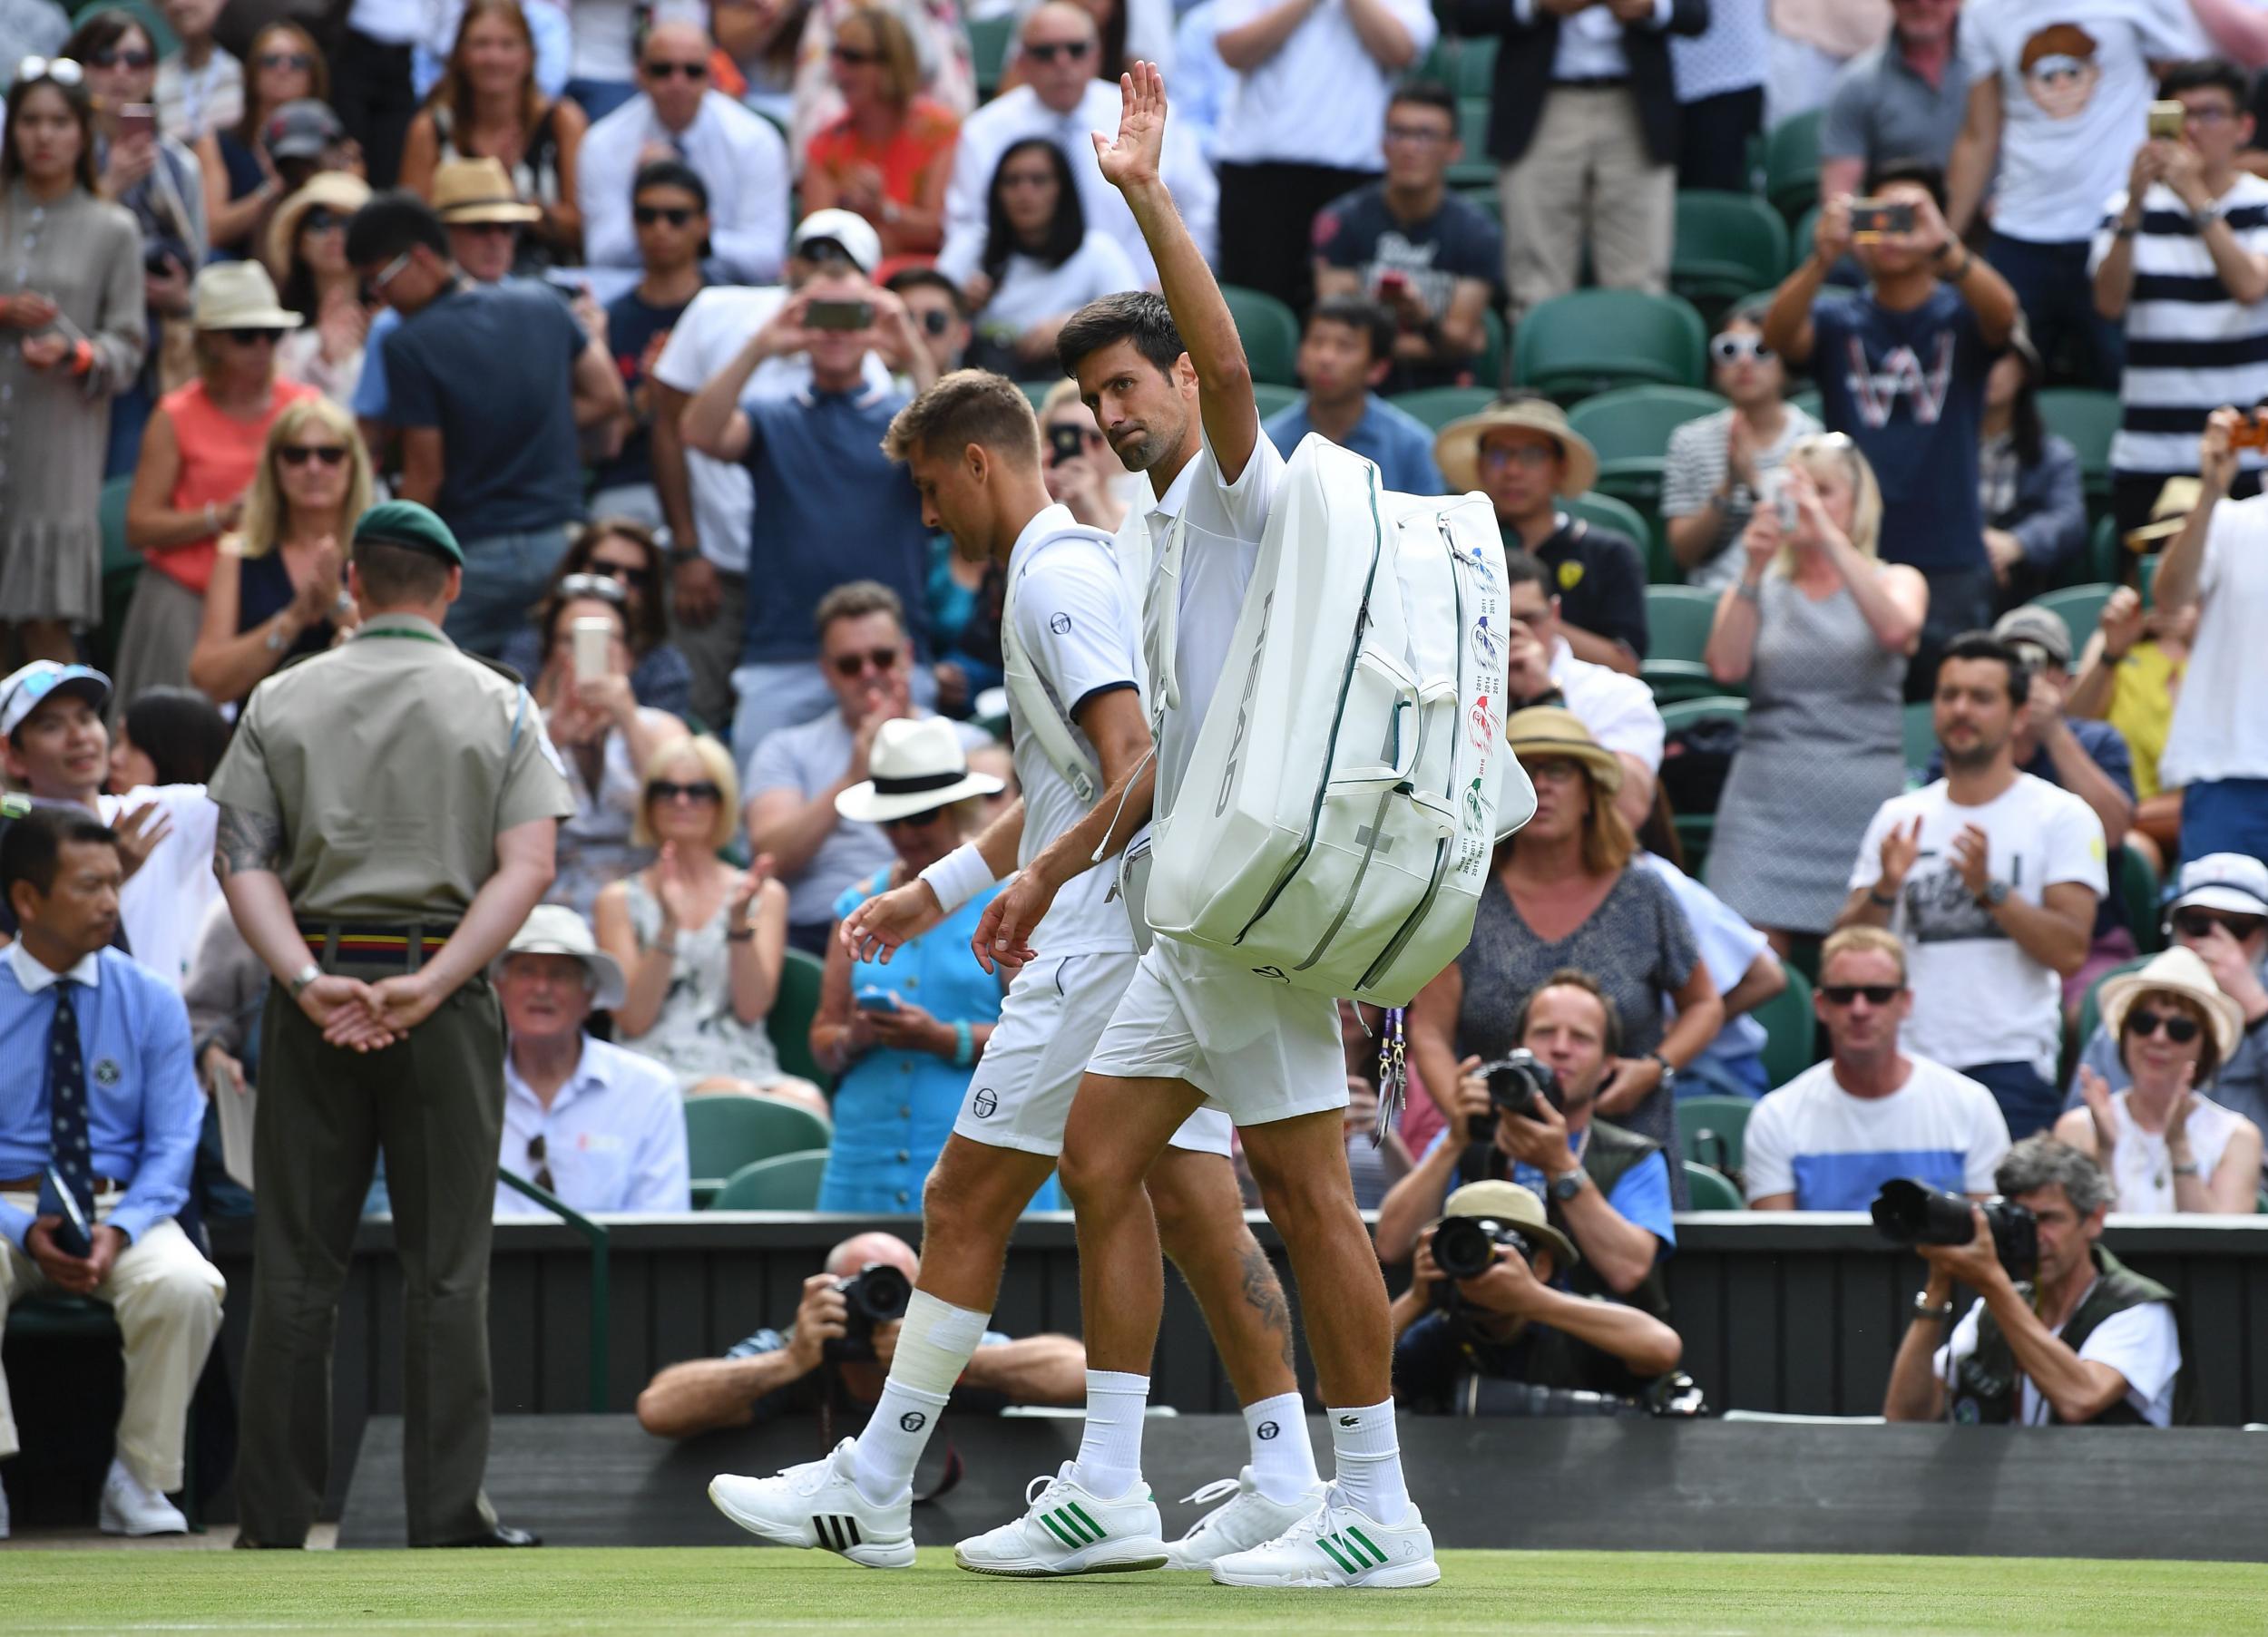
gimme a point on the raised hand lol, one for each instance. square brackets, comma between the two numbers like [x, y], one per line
[139, 834]
[1901, 846]
[2121, 623]
[2095, 1092]
[1131, 159]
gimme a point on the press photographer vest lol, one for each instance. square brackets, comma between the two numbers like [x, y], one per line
[1987, 1385]
[1607, 1156]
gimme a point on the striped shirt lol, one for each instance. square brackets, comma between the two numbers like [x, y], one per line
[2190, 348]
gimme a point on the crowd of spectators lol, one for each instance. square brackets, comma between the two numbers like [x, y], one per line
[629, 302]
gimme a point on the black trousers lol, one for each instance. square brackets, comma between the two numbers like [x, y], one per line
[371, 93]
[1713, 140]
[1268, 215]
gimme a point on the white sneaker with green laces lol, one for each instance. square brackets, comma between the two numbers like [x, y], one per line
[1249, 1519]
[1338, 1547]
[1068, 1531]
[819, 1505]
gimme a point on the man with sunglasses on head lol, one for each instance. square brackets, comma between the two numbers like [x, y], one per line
[677, 114]
[1832, 1136]
[2220, 912]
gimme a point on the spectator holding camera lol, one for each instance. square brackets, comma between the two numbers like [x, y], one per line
[1992, 877]
[2182, 258]
[774, 1373]
[2167, 1147]
[1832, 1136]
[2090, 1342]
[1518, 1319]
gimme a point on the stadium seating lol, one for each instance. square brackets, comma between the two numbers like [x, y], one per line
[1711, 1190]
[2088, 419]
[2080, 607]
[1725, 245]
[1678, 621]
[724, 1134]
[2136, 885]
[786, 1182]
[2098, 562]
[789, 1021]
[1791, 1029]
[1711, 1128]
[1694, 828]
[1791, 164]
[1438, 406]
[1271, 399]
[1270, 332]
[1587, 341]
[1629, 428]
[1920, 738]
[988, 49]
[1476, 169]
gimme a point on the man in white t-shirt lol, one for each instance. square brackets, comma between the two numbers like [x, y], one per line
[2216, 750]
[1541, 668]
[2057, 96]
[1832, 1136]
[1991, 878]
[971, 446]
[2085, 1340]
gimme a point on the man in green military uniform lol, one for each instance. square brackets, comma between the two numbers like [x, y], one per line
[388, 812]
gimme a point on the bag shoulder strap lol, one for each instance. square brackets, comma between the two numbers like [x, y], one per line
[1161, 623]
[1042, 717]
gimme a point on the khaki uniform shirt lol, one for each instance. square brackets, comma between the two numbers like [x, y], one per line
[392, 761]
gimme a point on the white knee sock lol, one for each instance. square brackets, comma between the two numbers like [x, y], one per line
[1110, 1450]
[1283, 1461]
[934, 1344]
[1369, 1461]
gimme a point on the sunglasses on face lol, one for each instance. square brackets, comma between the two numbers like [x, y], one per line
[321, 219]
[884, 659]
[62, 70]
[112, 57]
[665, 790]
[2142, 1023]
[662, 71]
[1733, 349]
[677, 216]
[913, 821]
[249, 337]
[2199, 924]
[299, 454]
[298, 60]
[854, 58]
[1070, 51]
[1534, 456]
[628, 574]
[1843, 994]
[1554, 770]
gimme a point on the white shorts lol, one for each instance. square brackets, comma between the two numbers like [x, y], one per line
[1020, 1092]
[1258, 1049]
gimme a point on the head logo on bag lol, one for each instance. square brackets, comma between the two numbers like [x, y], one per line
[1482, 723]
[1484, 638]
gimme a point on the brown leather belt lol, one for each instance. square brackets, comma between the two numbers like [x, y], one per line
[30, 1185]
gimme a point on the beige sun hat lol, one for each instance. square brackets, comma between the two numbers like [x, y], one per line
[1457, 447]
[556, 930]
[918, 765]
[342, 192]
[1543, 731]
[238, 295]
[1494, 1200]
[469, 191]
[2177, 971]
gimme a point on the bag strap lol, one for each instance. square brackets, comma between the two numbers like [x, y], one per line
[1042, 718]
[1161, 624]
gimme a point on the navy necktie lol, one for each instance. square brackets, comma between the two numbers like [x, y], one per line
[67, 1104]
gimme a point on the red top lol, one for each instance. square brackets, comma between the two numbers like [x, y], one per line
[923, 145]
[220, 458]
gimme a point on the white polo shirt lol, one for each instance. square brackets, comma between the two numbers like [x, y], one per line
[1320, 99]
[613, 1137]
[1618, 710]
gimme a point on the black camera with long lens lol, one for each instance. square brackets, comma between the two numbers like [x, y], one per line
[1907, 1211]
[1464, 1247]
[875, 1294]
[1517, 1082]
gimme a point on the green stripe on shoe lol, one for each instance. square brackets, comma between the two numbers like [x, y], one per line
[1367, 1544]
[1079, 1512]
[1339, 1556]
[1071, 1542]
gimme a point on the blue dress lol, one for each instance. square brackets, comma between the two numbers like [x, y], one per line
[895, 1109]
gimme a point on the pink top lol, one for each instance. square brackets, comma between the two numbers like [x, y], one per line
[220, 457]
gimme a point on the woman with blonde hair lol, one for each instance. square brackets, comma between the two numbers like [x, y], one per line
[279, 586]
[1820, 628]
[889, 154]
[702, 943]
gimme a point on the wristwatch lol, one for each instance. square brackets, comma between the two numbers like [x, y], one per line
[1924, 1308]
[1669, 1070]
[301, 979]
[1566, 1187]
[1995, 894]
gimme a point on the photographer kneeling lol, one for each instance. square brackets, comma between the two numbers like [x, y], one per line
[849, 1321]
[2066, 1335]
[1487, 1304]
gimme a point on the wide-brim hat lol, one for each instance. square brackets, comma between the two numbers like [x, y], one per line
[2236, 882]
[556, 930]
[1457, 447]
[1543, 731]
[1494, 1200]
[342, 191]
[918, 766]
[238, 295]
[2176, 499]
[478, 189]
[2177, 971]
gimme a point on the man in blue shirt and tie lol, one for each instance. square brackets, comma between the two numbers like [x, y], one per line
[95, 1146]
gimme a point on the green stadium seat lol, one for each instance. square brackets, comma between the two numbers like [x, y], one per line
[2098, 562]
[1727, 245]
[1473, 72]
[1808, 401]
[1490, 368]
[1269, 331]
[1683, 704]
[1711, 1190]
[1918, 737]
[1438, 406]
[786, 1182]
[2080, 607]
[1801, 235]
[988, 50]
[1587, 341]
[1271, 399]
[1601, 512]
[1629, 427]
[1476, 169]
[1791, 164]
[2089, 420]
[1678, 621]
[723, 1133]
[1791, 1029]
[1710, 1130]
[789, 1021]
[2090, 1005]
[2136, 885]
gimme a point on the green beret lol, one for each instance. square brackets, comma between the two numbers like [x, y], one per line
[408, 524]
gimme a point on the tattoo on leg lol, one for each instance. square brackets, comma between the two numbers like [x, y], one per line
[246, 843]
[1264, 1293]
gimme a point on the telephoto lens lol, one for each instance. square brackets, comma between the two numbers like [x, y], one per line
[1463, 1248]
[1907, 1211]
[875, 1294]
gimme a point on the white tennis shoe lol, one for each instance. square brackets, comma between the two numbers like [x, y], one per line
[1069, 1531]
[1248, 1519]
[819, 1504]
[1337, 1545]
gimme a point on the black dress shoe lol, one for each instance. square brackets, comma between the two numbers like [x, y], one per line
[502, 1535]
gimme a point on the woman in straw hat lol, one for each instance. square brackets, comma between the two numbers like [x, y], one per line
[1564, 894]
[199, 454]
[2167, 1146]
[305, 253]
[1821, 630]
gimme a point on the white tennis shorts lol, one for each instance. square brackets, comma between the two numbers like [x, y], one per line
[1020, 1092]
[1257, 1048]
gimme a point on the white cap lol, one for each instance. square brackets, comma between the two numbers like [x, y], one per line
[852, 231]
[556, 930]
[21, 692]
[2235, 881]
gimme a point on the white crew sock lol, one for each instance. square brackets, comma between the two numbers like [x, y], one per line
[1369, 1460]
[934, 1345]
[1110, 1458]
[1283, 1460]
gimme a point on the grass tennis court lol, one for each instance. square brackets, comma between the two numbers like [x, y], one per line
[759, 1589]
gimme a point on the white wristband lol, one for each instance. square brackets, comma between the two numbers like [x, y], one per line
[959, 876]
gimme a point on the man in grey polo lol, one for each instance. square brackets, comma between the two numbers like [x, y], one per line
[1905, 99]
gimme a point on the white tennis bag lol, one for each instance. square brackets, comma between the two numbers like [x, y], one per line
[1343, 799]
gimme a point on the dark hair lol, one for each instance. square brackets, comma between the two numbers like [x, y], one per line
[1984, 645]
[392, 222]
[1066, 229]
[395, 576]
[2208, 1043]
[319, 78]
[1361, 314]
[99, 31]
[1929, 178]
[2207, 73]
[453, 89]
[1140, 317]
[81, 106]
[1526, 569]
[648, 626]
[1574, 977]
[1425, 93]
[854, 600]
[32, 850]
[181, 732]
[671, 173]
[926, 278]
